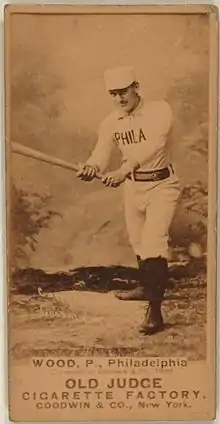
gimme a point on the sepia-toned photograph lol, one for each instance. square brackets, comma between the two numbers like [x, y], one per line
[108, 173]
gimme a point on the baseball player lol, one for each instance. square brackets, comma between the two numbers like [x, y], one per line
[140, 129]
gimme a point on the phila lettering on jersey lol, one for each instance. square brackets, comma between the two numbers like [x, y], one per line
[141, 137]
[129, 137]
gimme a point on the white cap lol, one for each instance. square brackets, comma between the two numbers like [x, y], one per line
[120, 77]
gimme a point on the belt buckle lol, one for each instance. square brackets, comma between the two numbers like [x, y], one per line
[154, 176]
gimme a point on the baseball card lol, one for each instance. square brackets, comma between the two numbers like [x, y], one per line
[111, 163]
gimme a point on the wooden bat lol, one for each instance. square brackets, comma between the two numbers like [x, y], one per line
[43, 157]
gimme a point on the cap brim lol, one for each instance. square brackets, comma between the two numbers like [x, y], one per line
[119, 87]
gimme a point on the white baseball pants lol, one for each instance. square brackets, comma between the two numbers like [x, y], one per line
[149, 210]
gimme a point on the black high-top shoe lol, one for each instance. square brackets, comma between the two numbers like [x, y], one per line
[156, 270]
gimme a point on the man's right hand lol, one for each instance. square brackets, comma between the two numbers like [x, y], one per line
[86, 172]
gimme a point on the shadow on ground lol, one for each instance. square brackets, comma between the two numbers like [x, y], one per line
[99, 278]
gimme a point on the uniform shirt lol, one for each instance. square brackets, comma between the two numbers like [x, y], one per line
[140, 135]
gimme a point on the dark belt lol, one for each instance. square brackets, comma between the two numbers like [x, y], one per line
[156, 175]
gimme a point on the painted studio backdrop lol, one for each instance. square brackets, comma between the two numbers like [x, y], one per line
[62, 225]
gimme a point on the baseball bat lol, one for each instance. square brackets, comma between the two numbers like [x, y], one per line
[43, 157]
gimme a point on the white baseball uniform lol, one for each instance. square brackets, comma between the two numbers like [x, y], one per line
[141, 137]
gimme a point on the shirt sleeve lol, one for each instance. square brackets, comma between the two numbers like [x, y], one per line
[130, 165]
[101, 154]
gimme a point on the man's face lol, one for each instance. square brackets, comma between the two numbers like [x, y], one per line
[126, 98]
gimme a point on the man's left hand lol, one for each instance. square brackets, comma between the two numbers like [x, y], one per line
[114, 178]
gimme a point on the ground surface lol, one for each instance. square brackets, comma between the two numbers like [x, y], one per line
[87, 322]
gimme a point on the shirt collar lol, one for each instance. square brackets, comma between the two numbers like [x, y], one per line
[136, 111]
